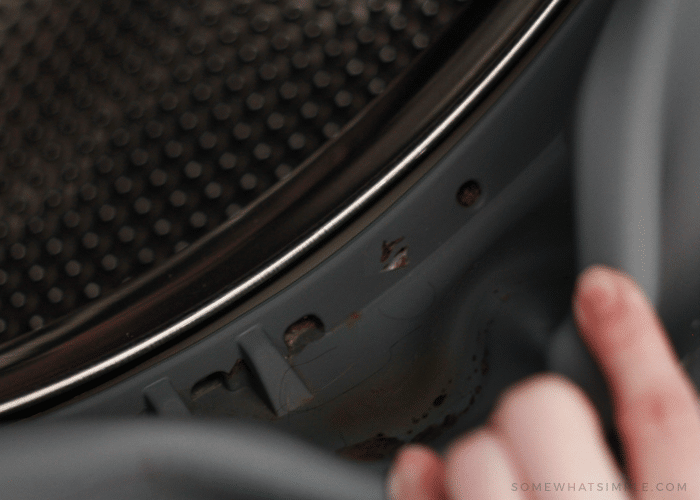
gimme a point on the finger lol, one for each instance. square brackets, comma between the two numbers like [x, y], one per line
[478, 467]
[557, 441]
[418, 473]
[656, 409]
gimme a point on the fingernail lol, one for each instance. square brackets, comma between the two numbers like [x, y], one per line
[597, 291]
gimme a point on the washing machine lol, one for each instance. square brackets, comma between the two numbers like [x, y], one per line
[249, 249]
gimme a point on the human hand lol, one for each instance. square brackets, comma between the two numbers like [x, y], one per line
[544, 431]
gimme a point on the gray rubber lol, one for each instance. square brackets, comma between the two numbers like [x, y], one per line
[620, 147]
[159, 459]
[164, 400]
[636, 172]
[283, 388]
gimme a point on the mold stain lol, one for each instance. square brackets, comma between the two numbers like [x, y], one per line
[434, 431]
[439, 400]
[381, 446]
[383, 403]
[375, 448]
[391, 401]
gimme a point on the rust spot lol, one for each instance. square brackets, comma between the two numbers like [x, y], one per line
[302, 332]
[387, 248]
[439, 400]
[393, 399]
[400, 260]
[352, 319]
[505, 297]
[372, 449]
[469, 193]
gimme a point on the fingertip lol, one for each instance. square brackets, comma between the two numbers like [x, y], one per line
[417, 473]
[479, 442]
[599, 289]
[545, 390]
[595, 293]
[613, 314]
[479, 466]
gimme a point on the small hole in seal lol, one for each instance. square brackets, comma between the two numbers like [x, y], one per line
[469, 193]
[302, 332]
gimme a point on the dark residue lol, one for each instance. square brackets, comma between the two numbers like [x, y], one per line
[434, 431]
[352, 319]
[372, 449]
[387, 248]
[381, 446]
[439, 400]
[400, 260]
[302, 332]
[238, 377]
[469, 193]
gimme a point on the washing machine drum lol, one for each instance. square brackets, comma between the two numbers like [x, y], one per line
[167, 167]
[156, 154]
